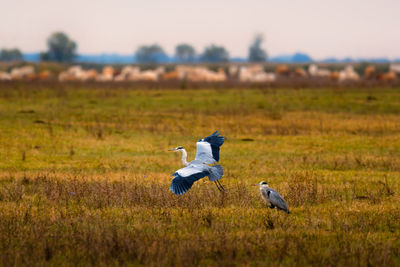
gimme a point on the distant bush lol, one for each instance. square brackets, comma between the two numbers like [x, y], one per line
[61, 48]
[150, 54]
[185, 53]
[256, 53]
[215, 53]
[11, 55]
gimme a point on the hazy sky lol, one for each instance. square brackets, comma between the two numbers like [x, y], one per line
[340, 28]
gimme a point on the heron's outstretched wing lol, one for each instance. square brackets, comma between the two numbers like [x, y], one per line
[277, 200]
[185, 177]
[208, 148]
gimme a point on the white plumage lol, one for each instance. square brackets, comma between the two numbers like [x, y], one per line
[207, 153]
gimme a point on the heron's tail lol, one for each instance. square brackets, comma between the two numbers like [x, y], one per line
[216, 173]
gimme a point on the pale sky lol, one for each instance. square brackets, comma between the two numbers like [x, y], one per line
[340, 28]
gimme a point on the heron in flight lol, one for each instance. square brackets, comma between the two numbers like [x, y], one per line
[272, 198]
[207, 154]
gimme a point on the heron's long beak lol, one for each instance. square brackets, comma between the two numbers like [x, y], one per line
[172, 149]
[255, 184]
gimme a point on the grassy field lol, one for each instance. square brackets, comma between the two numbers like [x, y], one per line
[85, 175]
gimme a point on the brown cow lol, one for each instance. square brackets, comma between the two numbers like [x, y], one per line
[4, 76]
[300, 72]
[45, 75]
[172, 75]
[369, 72]
[334, 76]
[91, 75]
[387, 77]
[282, 70]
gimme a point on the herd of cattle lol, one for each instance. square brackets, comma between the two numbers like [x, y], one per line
[249, 73]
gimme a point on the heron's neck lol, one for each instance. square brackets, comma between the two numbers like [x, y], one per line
[184, 158]
[264, 187]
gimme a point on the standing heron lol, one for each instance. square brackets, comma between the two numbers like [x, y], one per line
[207, 153]
[272, 198]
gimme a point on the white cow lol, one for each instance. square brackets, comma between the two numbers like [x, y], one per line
[130, 73]
[76, 73]
[4, 76]
[255, 73]
[200, 74]
[21, 73]
[315, 71]
[107, 75]
[233, 70]
[395, 68]
[348, 74]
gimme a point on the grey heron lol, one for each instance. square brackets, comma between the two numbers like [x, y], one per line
[207, 154]
[272, 198]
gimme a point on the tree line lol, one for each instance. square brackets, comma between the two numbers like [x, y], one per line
[60, 48]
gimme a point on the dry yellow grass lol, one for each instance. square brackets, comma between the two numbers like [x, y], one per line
[85, 174]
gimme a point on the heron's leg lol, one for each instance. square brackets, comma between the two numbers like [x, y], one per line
[223, 189]
[277, 216]
[217, 186]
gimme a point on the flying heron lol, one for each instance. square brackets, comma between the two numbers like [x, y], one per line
[272, 198]
[207, 153]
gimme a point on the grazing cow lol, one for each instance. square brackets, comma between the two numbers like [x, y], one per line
[314, 71]
[245, 74]
[264, 77]
[394, 68]
[108, 70]
[149, 75]
[130, 73]
[77, 73]
[201, 74]
[387, 77]
[334, 76]
[172, 75]
[300, 72]
[255, 73]
[160, 70]
[44, 75]
[64, 76]
[196, 74]
[282, 70]
[257, 68]
[233, 71]
[91, 75]
[4, 76]
[73, 73]
[348, 74]
[212, 76]
[107, 74]
[32, 77]
[22, 73]
[369, 72]
[220, 76]
[126, 72]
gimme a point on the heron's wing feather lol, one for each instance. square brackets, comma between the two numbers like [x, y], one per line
[208, 148]
[185, 177]
[193, 168]
[277, 200]
[204, 153]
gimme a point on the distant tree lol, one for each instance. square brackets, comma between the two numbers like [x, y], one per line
[150, 54]
[61, 48]
[10, 55]
[215, 53]
[185, 53]
[256, 53]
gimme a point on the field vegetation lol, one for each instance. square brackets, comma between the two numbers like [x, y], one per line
[85, 175]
